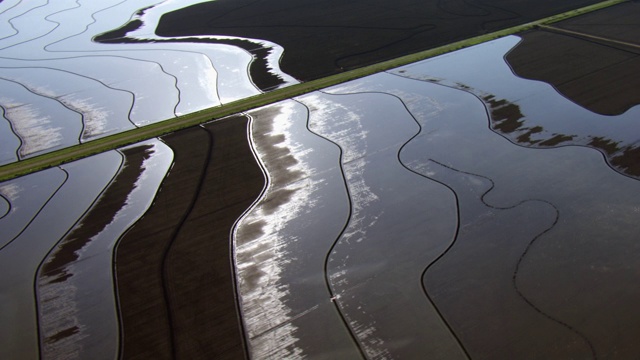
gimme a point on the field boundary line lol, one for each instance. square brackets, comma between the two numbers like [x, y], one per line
[165, 127]
[588, 36]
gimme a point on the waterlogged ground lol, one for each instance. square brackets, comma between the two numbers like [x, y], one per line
[458, 238]
[66, 77]
[434, 210]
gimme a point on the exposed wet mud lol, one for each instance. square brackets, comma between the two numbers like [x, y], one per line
[323, 38]
[173, 268]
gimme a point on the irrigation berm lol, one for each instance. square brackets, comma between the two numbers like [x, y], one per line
[66, 155]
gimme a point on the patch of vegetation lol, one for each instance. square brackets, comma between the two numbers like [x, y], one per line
[557, 139]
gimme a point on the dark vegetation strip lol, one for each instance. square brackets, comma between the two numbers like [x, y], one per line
[164, 127]
[259, 71]
[591, 37]
[173, 268]
[355, 28]
[166, 288]
[600, 77]
[504, 120]
[36, 279]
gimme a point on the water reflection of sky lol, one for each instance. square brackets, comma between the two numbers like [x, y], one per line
[483, 71]
[379, 189]
[48, 49]
[533, 225]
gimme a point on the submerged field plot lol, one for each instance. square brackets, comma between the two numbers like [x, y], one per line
[458, 207]
[72, 72]
[63, 83]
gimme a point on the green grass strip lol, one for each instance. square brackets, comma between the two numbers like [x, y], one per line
[76, 152]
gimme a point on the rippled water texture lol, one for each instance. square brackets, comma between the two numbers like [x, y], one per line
[60, 87]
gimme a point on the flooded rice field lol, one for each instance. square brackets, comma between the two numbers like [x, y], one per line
[67, 77]
[457, 207]
[324, 38]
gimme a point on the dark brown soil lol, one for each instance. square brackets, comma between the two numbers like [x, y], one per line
[325, 37]
[599, 75]
[139, 256]
[55, 269]
[620, 22]
[96, 219]
[174, 271]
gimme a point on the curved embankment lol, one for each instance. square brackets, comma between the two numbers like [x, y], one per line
[535, 210]
[281, 242]
[11, 142]
[322, 40]
[82, 182]
[531, 113]
[25, 199]
[101, 105]
[605, 58]
[398, 222]
[170, 292]
[173, 270]
[32, 115]
[74, 288]
[50, 50]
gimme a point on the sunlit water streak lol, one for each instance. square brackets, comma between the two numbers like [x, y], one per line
[82, 305]
[166, 76]
[273, 250]
[398, 224]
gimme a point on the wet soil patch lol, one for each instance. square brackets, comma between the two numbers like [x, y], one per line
[259, 70]
[140, 253]
[174, 270]
[100, 215]
[326, 37]
[598, 75]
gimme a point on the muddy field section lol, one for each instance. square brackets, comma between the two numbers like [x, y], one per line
[174, 263]
[593, 60]
[326, 37]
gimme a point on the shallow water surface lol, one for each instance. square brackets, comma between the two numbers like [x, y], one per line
[75, 282]
[71, 56]
[434, 180]
[19, 262]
